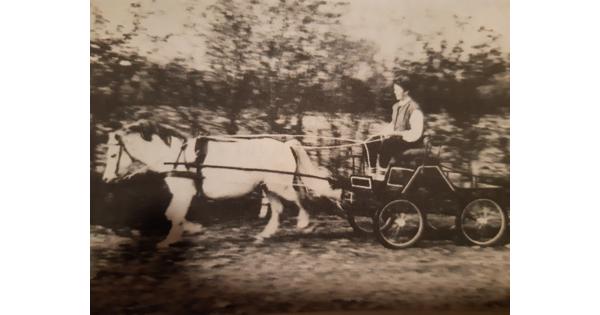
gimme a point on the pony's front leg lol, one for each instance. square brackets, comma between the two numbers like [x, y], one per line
[273, 225]
[183, 191]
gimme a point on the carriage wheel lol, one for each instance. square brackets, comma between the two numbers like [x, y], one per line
[361, 225]
[482, 222]
[399, 224]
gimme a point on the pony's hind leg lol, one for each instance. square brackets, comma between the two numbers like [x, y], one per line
[303, 217]
[288, 193]
[183, 191]
[273, 225]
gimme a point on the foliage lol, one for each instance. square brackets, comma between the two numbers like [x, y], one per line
[287, 57]
[466, 83]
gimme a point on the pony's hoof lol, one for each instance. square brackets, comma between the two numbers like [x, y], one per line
[259, 240]
[163, 245]
[310, 228]
[193, 229]
[302, 225]
[193, 233]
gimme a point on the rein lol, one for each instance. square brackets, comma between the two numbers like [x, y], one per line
[352, 142]
[238, 168]
[121, 147]
[234, 138]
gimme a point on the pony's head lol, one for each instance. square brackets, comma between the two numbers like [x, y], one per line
[143, 142]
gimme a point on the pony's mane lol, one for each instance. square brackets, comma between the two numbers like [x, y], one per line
[147, 129]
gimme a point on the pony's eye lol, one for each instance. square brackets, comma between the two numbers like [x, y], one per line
[114, 155]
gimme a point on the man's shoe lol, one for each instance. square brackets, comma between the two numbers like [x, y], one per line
[379, 174]
[372, 172]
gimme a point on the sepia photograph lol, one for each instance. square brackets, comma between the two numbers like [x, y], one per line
[299, 156]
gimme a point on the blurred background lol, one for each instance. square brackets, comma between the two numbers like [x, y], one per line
[304, 67]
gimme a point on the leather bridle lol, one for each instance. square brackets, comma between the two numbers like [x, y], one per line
[122, 149]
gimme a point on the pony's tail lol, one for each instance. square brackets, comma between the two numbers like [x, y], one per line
[304, 165]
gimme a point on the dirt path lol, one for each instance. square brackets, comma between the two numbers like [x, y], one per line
[224, 271]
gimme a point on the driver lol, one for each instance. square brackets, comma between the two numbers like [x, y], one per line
[405, 131]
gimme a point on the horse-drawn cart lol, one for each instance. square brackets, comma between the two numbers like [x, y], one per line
[395, 209]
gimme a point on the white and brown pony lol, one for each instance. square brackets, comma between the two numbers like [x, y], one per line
[152, 145]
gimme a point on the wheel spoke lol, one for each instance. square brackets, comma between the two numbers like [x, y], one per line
[386, 224]
[396, 231]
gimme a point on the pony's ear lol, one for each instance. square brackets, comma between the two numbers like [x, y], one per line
[147, 130]
[166, 139]
[167, 134]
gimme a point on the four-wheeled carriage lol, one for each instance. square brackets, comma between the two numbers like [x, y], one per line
[396, 209]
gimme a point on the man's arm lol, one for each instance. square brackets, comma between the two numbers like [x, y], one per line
[416, 127]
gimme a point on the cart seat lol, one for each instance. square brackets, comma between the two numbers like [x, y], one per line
[412, 158]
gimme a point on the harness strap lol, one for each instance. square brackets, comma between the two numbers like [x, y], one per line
[181, 174]
[182, 152]
[122, 149]
[119, 160]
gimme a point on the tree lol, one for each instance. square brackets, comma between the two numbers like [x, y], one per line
[229, 48]
[298, 49]
[451, 77]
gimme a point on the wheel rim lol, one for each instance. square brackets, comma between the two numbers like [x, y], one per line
[401, 223]
[365, 224]
[482, 222]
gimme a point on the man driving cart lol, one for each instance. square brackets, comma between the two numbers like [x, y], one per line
[405, 131]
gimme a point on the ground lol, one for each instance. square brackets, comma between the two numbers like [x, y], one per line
[223, 271]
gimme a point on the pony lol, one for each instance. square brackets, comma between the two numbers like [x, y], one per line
[237, 173]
